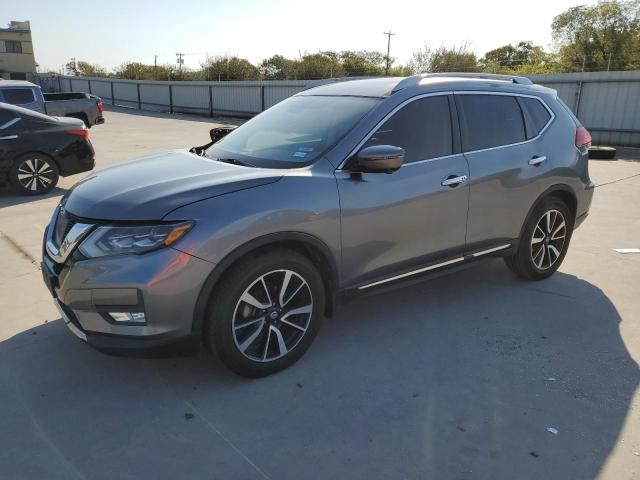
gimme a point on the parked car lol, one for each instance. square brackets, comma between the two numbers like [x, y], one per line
[337, 191]
[36, 149]
[82, 106]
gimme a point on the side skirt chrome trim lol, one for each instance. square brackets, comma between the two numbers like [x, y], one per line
[491, 250]
[437, 265]
[414, 272]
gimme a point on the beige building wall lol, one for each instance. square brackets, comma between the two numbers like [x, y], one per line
[21, 65]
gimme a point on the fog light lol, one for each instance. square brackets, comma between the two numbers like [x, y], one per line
[133, 317]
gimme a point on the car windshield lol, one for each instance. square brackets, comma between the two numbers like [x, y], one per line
[294, 132]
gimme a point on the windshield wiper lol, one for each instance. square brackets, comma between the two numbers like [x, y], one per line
[233, 161]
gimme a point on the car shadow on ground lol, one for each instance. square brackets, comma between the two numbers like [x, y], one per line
[9, 198]
[473, 375]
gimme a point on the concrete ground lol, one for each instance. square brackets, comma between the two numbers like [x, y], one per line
[460, 377]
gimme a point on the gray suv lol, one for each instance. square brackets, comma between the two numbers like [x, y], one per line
[341, 189]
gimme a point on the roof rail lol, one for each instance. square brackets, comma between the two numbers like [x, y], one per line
[326, 81]
[416, 79]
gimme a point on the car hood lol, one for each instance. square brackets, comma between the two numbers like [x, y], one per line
[150, 187]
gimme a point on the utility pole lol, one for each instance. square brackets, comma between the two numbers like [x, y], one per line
[609, 64]
[584, 60]
[388, 34]
[155, 67]
[180, 60]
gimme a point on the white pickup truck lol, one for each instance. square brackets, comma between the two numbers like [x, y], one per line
[83, 106]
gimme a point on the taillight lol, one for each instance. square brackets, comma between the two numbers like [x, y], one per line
[100, 107]
[83, 132]
[583, 139]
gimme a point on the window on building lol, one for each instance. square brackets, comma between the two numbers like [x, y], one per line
[13, 46]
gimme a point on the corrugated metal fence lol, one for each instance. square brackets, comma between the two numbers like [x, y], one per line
[206, 98]
[607, 103]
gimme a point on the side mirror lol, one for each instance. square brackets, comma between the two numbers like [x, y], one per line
[220, 132]
[380, 158]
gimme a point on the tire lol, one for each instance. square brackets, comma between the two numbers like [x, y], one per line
[248, 330]
[34, 174]
[602, 153]
[540, 251]
[80, 116]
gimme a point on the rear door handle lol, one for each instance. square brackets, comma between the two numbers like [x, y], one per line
[9, 137]
[536, 161]
[454, 181]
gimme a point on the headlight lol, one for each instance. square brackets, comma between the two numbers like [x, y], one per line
[107, 240]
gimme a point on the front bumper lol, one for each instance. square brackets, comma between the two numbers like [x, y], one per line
[164, 285]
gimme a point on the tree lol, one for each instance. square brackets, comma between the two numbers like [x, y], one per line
[420, 60]
[132, 71]
[319, 65]
[71, 68]
[229, 68]
[363, 62]
[455, 59]
[605, 36]
[86, 69]
[278, 68]
[513, 56]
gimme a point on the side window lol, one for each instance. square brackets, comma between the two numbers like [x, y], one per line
[489, 121]
[18, 96]
[422, 128]
[5, 117]
[536, 116]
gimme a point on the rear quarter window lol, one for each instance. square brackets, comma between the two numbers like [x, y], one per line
[18, 96]
[536, 115]
[489, 121]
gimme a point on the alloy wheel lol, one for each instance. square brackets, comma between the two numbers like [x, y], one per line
[272, 315]
[548, 239]
[35, 174]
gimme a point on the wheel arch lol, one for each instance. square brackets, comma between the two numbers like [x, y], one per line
[562, 192]
[308, 245]
[17, 157]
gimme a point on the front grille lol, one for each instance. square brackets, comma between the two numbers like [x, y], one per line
[64, 223]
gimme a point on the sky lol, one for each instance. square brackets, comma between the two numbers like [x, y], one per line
[109, 32]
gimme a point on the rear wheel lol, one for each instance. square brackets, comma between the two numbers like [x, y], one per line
[34, 174]
[544, 241]
[266, 313]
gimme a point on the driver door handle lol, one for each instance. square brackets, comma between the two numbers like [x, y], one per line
[454, 181]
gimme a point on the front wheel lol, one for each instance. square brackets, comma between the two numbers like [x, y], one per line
[544, 241]
[266, 313]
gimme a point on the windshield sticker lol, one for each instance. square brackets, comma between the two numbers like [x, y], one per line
[305, 149]
[300, 154]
